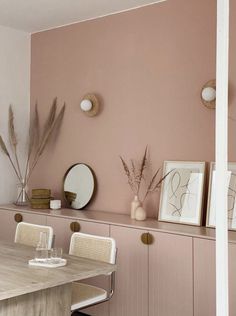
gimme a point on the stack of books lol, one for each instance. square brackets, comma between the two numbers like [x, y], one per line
[41, 198]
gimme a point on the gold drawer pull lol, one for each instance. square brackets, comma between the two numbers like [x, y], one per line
[147, 238]
[18, 217]
[74, 227]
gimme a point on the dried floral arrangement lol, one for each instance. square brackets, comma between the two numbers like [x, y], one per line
[136, 175]
[38, 140]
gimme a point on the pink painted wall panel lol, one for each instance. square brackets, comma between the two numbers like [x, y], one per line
[147, 66]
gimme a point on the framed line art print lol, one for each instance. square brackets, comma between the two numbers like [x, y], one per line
[231, 183]
[182, 192]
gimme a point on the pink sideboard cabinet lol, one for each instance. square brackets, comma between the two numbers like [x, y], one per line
[154, 279]
[170, 273]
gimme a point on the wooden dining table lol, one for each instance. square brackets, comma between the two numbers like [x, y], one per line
[32, 291]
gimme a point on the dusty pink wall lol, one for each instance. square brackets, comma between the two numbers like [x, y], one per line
[147, 66]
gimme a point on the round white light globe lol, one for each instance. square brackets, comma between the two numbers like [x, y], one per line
[86, 105]
[208, 94]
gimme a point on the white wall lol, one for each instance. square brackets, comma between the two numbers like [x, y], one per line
[15, 90]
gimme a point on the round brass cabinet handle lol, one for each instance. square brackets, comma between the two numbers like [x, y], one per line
[147, 238]
[18, 217]
[74, 227]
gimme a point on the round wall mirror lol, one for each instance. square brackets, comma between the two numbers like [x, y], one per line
[79, 183]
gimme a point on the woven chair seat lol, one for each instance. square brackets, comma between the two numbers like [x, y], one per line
[84, 295]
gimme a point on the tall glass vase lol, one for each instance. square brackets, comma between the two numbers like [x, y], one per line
[22, 196]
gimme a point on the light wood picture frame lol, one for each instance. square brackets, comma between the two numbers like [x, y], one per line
[182, 192]
[210, 220]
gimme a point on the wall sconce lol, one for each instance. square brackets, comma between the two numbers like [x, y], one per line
[208, 94]
[90, 105]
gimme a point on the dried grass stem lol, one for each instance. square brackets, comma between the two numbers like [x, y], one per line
[37, 143]
[135, 175]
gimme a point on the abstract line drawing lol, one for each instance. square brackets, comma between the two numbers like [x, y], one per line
[182, 190]
[231, 209]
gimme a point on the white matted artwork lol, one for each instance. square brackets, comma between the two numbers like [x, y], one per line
[182, 192]
[231, 183]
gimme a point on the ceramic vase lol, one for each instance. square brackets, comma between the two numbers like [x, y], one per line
[140, 213]
[134, 204]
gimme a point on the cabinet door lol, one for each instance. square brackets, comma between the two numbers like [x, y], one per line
[131, 291]
[8, 223]
[205, 279]
[170, 275]
[62, 231]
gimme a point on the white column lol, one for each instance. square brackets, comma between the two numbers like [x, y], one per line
[222, 305]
